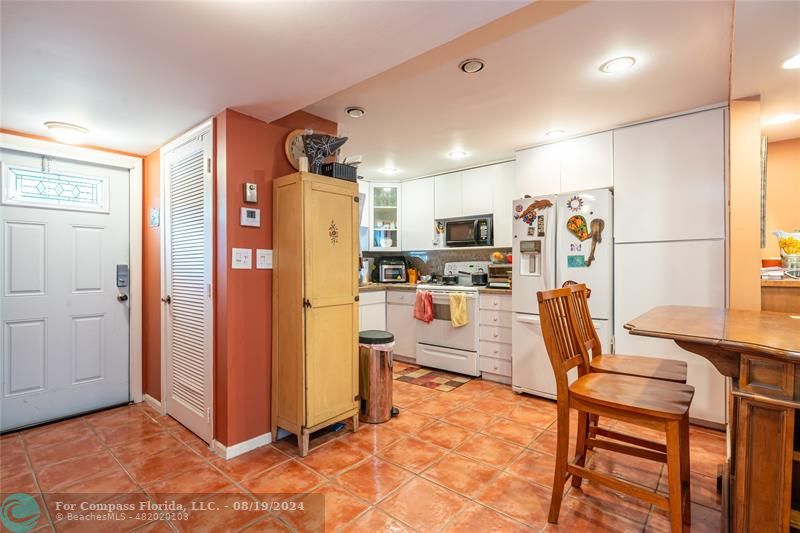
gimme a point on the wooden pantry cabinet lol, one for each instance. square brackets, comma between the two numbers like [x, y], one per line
[315, 304]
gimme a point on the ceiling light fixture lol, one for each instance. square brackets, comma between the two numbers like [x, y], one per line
[554, 133]
[792, 63]
[389, 170]
[782, 119]
[472, 65]
[618, 64]
[355, 112]
[457, 154]
[67, 133]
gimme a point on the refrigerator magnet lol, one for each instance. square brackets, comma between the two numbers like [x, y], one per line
[517, 211]
[576, 261]
[575, 203]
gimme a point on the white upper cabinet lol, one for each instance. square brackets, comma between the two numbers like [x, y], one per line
[385, 217]
[669, 179]
[587, 162]
[502, 198]
[417, 214]
[447, 195]
[538, 171]
[477, 189]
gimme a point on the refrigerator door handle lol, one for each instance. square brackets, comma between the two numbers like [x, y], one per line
[529, 319]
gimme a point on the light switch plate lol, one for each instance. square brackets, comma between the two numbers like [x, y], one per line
[250, 216]
[241, 258]
[263, 259]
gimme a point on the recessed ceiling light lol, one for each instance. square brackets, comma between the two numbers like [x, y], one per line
[67, 133]
[389, 170]
[457, 154]
[782, 119]
[555, 133]
[618, 64]
[472, 65]
[355, 112]
[792, 63]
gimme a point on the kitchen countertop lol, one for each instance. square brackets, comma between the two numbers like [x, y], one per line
[794, 283]
[373, 287]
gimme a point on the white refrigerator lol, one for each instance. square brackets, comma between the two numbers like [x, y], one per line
[558, 238]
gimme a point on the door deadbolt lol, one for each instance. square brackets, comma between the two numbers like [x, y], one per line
[167, 300]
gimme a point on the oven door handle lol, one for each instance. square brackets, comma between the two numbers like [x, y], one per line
[443, 293]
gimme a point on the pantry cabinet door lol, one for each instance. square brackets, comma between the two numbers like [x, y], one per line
[477, 185]
[538, 171]
[447, 195]
[587, 162]
[418, 214]
[502, 200]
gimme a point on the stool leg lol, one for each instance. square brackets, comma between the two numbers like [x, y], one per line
[562, 457]
[594, 421]
[686, 476]
[580, 445]
[674, 475]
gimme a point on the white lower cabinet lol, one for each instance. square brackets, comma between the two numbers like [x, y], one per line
[494, 334]
[400, 322]
[372, 310]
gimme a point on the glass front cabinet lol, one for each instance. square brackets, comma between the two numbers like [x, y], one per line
[384, 217]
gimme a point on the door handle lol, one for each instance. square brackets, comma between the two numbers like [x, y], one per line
[122, 297]
[167, 300]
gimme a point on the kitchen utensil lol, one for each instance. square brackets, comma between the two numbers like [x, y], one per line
[480, 278]
[412, 276]
[450, 279]
[596, 226]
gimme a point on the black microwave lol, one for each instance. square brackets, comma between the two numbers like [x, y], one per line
[469, 231]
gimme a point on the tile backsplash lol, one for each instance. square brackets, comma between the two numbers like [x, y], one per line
[432, 261]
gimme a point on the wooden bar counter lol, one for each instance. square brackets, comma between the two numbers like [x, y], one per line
[759, 351]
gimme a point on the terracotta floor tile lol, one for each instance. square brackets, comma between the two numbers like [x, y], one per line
[334, 457]
[373, 437]
[491, 405]
[546, 443]
[633, 469]
[138, 450]
[479, 386]
[42, 456]
[228, 515]
[115, 435]
[160, 526]
[18, 480]
[328, 509]
[201, 448]
[376, 521]
[534, 466]
[53, 477]
[505, 393]
[373, 479]
[250, 463]
[285, 479]
[707, 451]
[409, 422]
[203, 479]
[575, 516]
[287, 445]
[436, 407]
[511, 431]
[162, 465]
[423, 504]
[489, 450]
[117, 416]
[468, 418]
[517, 498]
[167, 422]
[12, 458]
[113, 523]
[110, 481]
[412, 454]
[704, 489]
[704, 520]
[270, 524]
[463, 475]
[616, 503]
[476, 517]
[55, 433]
[444, 434]
[639, 431]
[531, 416]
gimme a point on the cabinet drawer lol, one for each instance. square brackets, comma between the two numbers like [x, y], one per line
[762, 375]
[496, 366]
[499, 350]
[499, 302]
[400, 297]
[496, 318]
[495, 334]
[372, 297]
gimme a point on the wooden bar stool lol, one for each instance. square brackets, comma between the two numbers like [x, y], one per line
[629, 365]
[656, 404]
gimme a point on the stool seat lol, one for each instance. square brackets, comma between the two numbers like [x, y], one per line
[659, 399]
[645, 367]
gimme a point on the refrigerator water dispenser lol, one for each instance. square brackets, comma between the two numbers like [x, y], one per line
[531, 257]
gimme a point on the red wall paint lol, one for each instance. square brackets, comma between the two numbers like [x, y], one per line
[151, 278]
[303, 120]
[247, 150]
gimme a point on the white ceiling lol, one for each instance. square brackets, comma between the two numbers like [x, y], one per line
[766, 33]
[138, 73]
[541, 73]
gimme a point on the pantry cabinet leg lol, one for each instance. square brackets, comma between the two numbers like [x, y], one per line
[355, 422]
[304, 435]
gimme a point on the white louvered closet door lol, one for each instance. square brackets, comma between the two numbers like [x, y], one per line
[188, 249]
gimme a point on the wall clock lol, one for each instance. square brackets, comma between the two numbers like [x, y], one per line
[294, 147]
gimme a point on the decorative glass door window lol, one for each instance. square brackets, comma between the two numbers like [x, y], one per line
[58, 190]
[385, 231]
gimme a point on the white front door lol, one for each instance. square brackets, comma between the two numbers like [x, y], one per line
[65, 324]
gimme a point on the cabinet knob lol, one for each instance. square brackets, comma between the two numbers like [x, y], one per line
[495, 319]
[496, 335]
[495, 303]
[496, 351]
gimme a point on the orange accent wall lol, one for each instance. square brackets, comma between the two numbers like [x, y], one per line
[304, 120]
[247, 150]
[50, 139]
[783, 191]
[745, 204]
[151, 278]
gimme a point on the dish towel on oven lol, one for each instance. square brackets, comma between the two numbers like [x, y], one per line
[423, 306]
[458, 309]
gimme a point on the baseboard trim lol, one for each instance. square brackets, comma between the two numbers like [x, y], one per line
[229, 452]
[152, 402]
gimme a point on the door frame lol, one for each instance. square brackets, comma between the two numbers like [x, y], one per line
[163, 151]
[134, 166]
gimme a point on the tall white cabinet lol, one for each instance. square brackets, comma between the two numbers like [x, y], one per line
[669, 235]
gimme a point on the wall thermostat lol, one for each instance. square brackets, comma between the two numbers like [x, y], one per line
[250, 216]
[250, 193]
